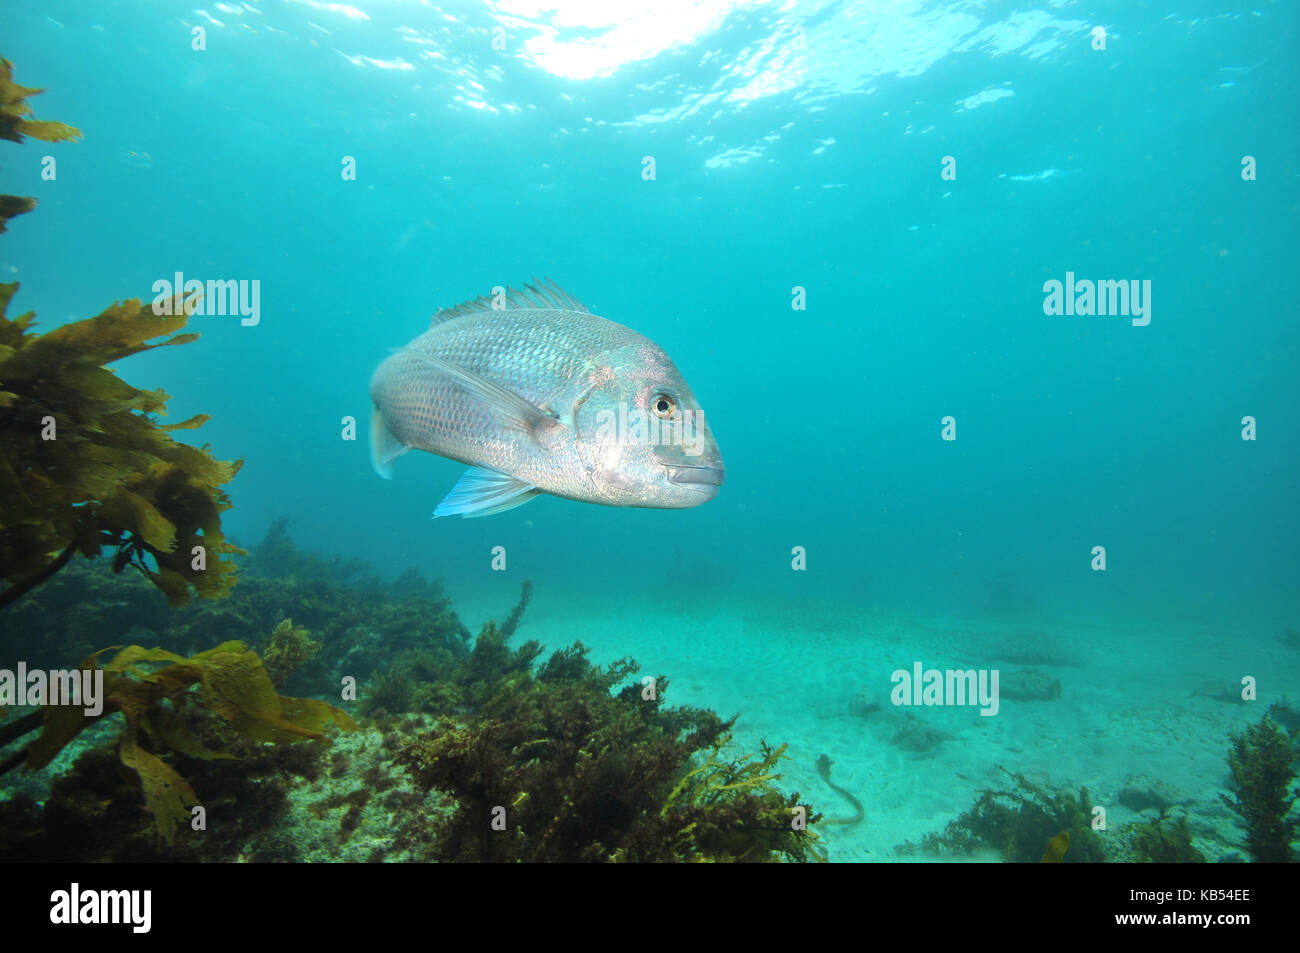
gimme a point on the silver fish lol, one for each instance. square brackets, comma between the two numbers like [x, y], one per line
[542, 396]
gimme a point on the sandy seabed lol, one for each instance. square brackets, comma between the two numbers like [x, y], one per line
[1143, 709]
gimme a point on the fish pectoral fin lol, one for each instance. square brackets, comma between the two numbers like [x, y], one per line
[384, 447]
[514, 410]
[482, 492]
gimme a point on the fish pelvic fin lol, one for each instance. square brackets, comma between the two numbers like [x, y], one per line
[482, 492]
[384, 447]
[542, 294]
[515, 411]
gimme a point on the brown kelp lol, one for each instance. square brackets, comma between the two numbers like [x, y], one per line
[1016, 822]
[15, 126]
[160, 711]
[1262, 766]
[361, 623]
[1262, 792]
[85, 465]
[554, 764]
[290, 647]
[1056, 848]
[587, 766]
[1166, 839]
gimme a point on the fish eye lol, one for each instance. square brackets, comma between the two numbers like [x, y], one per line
[663, 406]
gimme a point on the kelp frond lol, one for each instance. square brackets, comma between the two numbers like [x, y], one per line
[157, 704]
[14, 126]
[87, 466]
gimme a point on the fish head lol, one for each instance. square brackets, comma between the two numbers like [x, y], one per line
[642, 434]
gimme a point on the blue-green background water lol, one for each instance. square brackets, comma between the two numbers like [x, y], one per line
[776, 167]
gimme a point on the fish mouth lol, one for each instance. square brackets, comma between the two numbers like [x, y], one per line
[703, 477]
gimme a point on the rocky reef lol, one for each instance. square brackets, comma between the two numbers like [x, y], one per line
[1015, 822]
[1019, 822]
[452, 748]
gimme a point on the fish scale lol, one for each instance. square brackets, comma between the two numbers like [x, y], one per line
[501, 390]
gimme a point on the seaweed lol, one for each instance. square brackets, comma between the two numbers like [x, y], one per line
[277, 557]
[1017, 823]
[727, 809]
[389, 693]
[11, 206]
[437, 679]
[1057, 848]
[552, 764]
[161, 711]
[1163, 840]
[290, 646]
[87, 466]
[362, 628]
[93, 813]
[14, 109]
[1262, 773]
[586, 765]
[15, 126]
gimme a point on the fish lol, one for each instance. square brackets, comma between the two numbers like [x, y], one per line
[824, 769]
[538, 395]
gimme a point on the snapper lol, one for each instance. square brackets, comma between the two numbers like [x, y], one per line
[538, 395]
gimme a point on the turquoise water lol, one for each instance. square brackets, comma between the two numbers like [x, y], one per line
[794, 145]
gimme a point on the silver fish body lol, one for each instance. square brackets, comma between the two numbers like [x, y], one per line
[544, 397]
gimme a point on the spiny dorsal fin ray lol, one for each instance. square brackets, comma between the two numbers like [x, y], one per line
[541, 294]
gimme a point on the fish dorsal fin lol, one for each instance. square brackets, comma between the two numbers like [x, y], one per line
[543, 294]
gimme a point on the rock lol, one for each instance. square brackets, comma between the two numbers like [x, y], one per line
[1286, 716]
[1028, 685]
[1227, 692]
[917, 736]
[863, 703]
[1142, 792]
[1037, 648]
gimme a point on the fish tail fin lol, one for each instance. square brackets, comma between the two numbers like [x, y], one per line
[384, 447]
